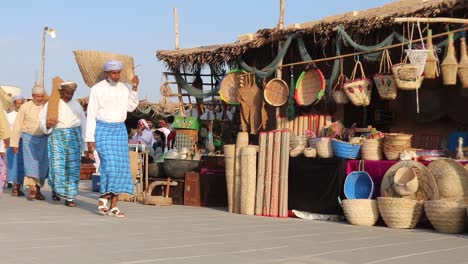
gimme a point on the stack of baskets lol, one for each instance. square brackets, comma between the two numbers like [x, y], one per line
[345, 150]
[371, 149]
[396, 143]
[447, 215]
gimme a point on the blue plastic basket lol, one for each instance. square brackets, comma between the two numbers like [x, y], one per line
[345, 150]
[359, 185]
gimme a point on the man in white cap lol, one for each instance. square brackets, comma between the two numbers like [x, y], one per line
[15, 165]
[65, 144]
[34, 143]
[109, 102]
[145, 135]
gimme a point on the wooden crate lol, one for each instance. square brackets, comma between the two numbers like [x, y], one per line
[205, 189]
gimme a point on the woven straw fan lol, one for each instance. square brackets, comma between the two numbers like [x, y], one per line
[52, 110]
[91, 62]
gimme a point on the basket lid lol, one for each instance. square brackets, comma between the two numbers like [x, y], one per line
[229, 87]
[276, 92]
[90, 63]
[309, 87]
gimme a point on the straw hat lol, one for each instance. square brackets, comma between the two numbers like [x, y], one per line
[309, 87]
[276, 92]
[405, 181]
[427, 186]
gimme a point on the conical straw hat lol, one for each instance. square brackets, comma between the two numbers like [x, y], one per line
[427, 186]
[405, 181]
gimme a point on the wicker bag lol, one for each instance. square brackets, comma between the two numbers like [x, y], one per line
[406, 75]
[417, 57]
[463, 64]
[358, 90]
[91, 62]
[338, 95]
[449, 64]
[384, 80]
[431, 70]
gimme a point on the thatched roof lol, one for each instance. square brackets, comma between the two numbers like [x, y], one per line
[356, 23]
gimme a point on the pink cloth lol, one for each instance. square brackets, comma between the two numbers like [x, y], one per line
[376, 169]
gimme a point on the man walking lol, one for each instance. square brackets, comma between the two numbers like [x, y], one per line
[109, 102]
[65, 144]
[34, 144]
[15, 165]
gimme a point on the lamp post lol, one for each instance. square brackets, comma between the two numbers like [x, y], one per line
[51, 33]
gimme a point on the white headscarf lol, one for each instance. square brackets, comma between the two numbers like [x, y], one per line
[112, 65]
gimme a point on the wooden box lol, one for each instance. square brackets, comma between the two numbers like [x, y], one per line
[205, 189]
[192, 189]
[215, 162]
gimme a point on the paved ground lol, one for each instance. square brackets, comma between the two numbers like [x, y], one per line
[48, 232]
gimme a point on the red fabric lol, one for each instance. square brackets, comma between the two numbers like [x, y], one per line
[170, 137]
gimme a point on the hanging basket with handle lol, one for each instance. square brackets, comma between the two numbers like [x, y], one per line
[417, 57]
[463, 64]
[406, 75]
[338, 95]
[431, 70]
[358, 90]
[384, 80]
[449, 64]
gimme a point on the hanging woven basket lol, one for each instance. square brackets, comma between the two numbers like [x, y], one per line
[358, 90]
[230, 85]
[90, 63]
[449, 64]
[463, 64]
[310, 87]
[384, 80]
[276, 92]
[431, 70]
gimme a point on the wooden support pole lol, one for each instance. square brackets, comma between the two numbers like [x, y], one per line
[431, 20]
[176, 28]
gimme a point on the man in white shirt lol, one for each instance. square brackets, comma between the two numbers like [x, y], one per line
[145, 135]
[109, 102]
[15, 165]
[65, 144]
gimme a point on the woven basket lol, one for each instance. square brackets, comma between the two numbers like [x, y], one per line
[447, 216]
[324, 148]
[384, 80]
[359, 184]
[449, 64]
[276, 92]
[451, 178]
[345, 150]
[405, 181]
[418, 57]
[54, 99]
[338, 95]
[358, 90]
[310, 152]
[90, 63]
[463, 64]
[431, 70]
[371, 149]
[361, 212]
[230, 85]
[400, 212]
[406, 75]
[310, 87]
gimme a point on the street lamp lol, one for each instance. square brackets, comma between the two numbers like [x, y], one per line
[51, 32]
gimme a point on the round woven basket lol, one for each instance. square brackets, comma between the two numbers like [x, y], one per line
[447, 216]
[309, 87]
[451, 178]
[400, 212]
[90, 63]
[427, 186]
[361, 212]
[276, 92]
[230, 85]
[324, 148]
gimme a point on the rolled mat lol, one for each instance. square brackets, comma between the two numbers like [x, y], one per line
[229, 158]
[284, 170]
[260, 173]
[275, 174]
[242, 141]
[248, 179]
[268, 170]
[54, 99]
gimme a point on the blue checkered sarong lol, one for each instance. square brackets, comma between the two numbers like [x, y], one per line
[36, 161]
[15, 165]
[65, 161]
[112, 147]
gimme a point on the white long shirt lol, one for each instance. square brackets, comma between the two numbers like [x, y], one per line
[11, 117]
[109, 104]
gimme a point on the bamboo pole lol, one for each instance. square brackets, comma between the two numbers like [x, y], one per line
[431, 20]
[176, 28]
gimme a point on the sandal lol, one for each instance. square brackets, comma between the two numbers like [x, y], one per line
[32, 194]
[115, 212]
[40, 196]
[102, 208]
[55, 197]
[70, 204]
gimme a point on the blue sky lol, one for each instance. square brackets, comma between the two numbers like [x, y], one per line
[138, 28]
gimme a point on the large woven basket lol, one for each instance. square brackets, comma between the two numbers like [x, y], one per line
[400, 212]
[463, 64]
[447, 216]
[451, 178]
[345, 150]
[276, 92]
[406, 76]
[310, 87]
[91, 62]
[358, 90]
[361, 212]
[449, 64]
[431, 69]
[338, 95]
[230, 85]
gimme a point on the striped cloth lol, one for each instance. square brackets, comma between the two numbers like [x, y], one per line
[64, 150]
[36, 161]
[112, 148]
[15, 165]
